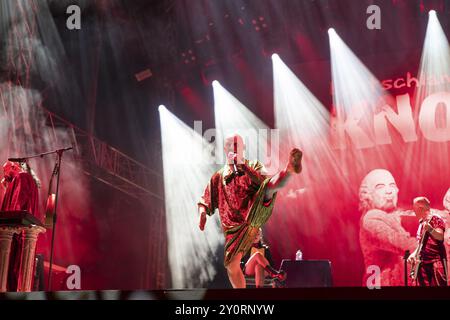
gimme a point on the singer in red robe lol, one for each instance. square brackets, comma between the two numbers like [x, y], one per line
[21, 194]
[244, 196]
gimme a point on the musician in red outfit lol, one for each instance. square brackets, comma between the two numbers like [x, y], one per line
[244, 196]
[21, 193]
[430, 252]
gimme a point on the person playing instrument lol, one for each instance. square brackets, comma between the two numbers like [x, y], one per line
[21, 193]
[244, 196]
[445, 214]
[429, 259]
[382, 237]
[258, 263]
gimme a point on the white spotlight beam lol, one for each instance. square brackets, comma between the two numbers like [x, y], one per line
[298, 113]
[355, 89]
[431, 108]
[434, 71]
[304, 122]
[357, 97]
[187, 171]
[231, 116]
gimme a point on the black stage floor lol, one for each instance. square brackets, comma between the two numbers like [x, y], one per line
[279, 294]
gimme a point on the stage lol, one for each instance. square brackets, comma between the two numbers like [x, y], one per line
[211, 144]
[242, 295]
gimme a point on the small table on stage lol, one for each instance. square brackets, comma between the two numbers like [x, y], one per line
[18, 222]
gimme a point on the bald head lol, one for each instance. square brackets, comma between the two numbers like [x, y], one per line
[234, 144]
[446, 200]
[378, 190]
[421, 207]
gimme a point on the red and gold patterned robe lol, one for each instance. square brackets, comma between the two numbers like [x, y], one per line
[241, 204]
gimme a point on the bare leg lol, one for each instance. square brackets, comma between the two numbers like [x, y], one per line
[235, 274]
[259, 276]
[255, 266]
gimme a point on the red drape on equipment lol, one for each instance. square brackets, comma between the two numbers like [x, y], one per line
[21, 194]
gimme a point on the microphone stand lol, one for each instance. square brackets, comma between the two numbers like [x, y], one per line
[405, 257]
[59, 154]
[57, 171]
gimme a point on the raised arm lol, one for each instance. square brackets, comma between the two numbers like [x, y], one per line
[279, 180]
[386, 233]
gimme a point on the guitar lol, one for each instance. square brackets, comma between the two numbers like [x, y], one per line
[50, 210]
[415, 265]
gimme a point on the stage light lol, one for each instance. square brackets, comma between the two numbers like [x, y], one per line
[331, 31]
[297, 110]
[161, 108]
[431, 107]
[259, 23]
[188, 56]
[357, 96]
[187, 170]
[435, 62]
[304, 123]
[231, 117]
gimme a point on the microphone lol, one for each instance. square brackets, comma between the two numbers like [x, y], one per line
[60, 151]
[235, 148]
[234, 167]
[236, 172]
[16, 159]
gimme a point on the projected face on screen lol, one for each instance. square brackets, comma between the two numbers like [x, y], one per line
[379, 190]
[446, 201]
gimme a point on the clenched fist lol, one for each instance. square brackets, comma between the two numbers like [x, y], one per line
[295, 161]
[202, 222]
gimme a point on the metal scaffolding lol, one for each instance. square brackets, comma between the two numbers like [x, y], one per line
[22, 114]
[107, 164]
[100, 160]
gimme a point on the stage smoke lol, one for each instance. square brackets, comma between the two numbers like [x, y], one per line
[431, 109]
[32, 58]
[231, 117]
[303, 122]
[193, 255]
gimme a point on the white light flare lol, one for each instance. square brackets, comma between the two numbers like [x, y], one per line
[304, 123]
[187, 170]
[231, 117]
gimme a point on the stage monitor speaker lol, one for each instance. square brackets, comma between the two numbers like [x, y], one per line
[307, 273]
